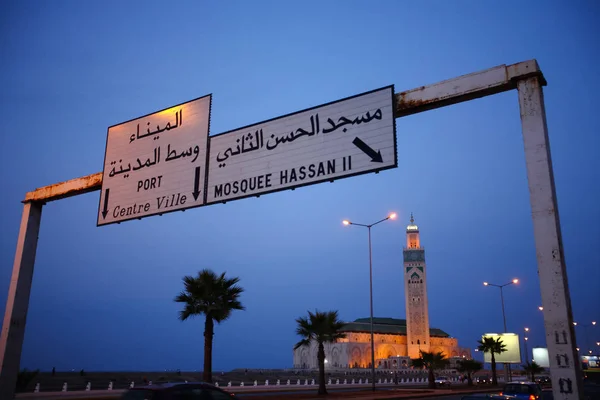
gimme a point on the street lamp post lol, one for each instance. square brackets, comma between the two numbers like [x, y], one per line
[507, 371]
[525, 343]
[585, 332]
[369, 226]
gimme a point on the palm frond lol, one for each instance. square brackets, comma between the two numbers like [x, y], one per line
[418, 363]
[432, 360]
[491, 345]
[320, 326]
[183, 297]
[210, 294]
[186, 313]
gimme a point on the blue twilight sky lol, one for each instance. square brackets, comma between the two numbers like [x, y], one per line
[102, 298]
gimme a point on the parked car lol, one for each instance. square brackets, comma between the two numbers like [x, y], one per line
[178, 391]
[442, 381]
[522, 390]
[483, 380]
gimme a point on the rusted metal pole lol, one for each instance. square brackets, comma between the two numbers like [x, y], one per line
[13, 327]
[70, 188]
[467, 87]
[565, 368]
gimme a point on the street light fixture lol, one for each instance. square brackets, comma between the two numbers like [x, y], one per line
[369, 226]
[514, 281]
[541, 308]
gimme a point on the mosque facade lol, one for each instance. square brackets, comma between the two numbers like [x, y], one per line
[396, 341]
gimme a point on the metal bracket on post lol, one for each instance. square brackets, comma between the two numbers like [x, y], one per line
[13, 328]
[565, 368]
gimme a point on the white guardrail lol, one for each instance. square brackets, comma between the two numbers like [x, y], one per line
[296, 384]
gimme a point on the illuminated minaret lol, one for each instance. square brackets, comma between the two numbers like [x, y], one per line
[415, 289]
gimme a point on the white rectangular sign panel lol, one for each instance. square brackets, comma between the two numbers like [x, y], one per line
[540, 356]
[156, 163]
[347, 137]
[512, 353]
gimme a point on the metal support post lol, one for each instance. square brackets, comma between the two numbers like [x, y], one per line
[507, 377]
[15, 317]
[371, 300]
[565, 369]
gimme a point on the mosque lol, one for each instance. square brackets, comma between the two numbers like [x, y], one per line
[397, 341]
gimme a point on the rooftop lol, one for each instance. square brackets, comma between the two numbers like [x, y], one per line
[390, 326]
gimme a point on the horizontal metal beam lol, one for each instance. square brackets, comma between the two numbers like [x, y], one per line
[69, 188]
[464, 88]
[467, 87]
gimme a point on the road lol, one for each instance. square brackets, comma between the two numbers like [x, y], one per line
[592, 391]
[460, 396]
[366, 395]
[439, 397]
[452, 397]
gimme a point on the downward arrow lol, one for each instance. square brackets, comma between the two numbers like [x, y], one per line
[375, 155]
[105, 211]
[196, 191]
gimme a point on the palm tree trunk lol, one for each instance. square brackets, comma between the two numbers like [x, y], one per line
[431, 378]
[469, 379]
[321, 360]
[494, 378]
[208, 340]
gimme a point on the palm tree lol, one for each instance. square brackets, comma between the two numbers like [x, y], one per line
[492, 346]
[213, 296]
[533, 369]
[469, 367]
[431, 361]
[320, 327]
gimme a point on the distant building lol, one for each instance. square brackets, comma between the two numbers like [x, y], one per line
[396, 340]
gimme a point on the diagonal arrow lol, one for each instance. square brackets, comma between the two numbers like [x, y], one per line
[375, 155]
[196, 191]
[105, 211]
